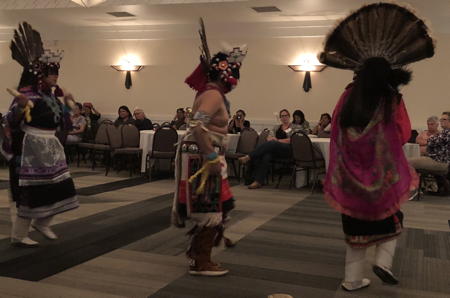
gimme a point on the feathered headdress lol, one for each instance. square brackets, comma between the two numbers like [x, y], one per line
[382, 30]
[28, 50]
[222, 66]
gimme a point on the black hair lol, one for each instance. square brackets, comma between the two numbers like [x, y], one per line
[126, 109]
[79, 105]
[327, 115]
[242, 111]
[180, 110]
[28, 79]
[375, 85]
[300, 114]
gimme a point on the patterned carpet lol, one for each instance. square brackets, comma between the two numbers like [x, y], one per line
[301, 253]
[119, 244]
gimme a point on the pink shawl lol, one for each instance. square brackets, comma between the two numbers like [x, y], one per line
[368, 176]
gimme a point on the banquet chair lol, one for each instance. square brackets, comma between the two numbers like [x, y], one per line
[114, 134]
[263, 136]
[101, 143]
[130, 146]
[306, 157]
[414, 134]
[246, 144]
[163, 147]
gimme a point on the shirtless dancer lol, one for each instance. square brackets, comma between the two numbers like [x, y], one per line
[203, 193]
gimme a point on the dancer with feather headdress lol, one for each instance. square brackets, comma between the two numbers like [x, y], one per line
[368, 176]
[202, 190]
[40, 182]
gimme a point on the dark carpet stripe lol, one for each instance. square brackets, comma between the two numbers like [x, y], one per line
[86, 238]
[4, 184]
[301, 252]
[111, 186]
[83, 174]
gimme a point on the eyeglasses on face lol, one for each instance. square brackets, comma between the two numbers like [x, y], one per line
[284, 115]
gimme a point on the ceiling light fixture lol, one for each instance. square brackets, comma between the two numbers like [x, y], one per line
[88, 3]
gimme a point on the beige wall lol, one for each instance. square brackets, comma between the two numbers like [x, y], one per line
[267, 84]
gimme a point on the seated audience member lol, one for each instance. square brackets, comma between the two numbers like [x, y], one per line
[92, 116]
[323, 128]
[78, 125]
[124, 116]
[142, 122]
[299, 120]
[179, 121]
[238, 122]
[438, 159]
[277, 146]
[422, 138]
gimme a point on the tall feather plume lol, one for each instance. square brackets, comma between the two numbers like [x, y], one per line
[26, 46]
[205, 54]
[382, 30]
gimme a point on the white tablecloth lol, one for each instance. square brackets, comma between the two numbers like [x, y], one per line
[323, 144]
[146, 143]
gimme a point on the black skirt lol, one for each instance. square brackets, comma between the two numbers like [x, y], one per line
[361, 233]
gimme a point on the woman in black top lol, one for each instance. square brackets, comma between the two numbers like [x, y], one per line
[124, 116]
[277, 146]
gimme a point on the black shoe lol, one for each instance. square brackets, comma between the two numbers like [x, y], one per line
[384, 275]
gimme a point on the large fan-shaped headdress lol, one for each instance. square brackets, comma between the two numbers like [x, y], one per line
[383, 30]
[28, 50]
[222, 66]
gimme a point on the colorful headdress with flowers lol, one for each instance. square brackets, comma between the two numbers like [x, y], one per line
[223, 66]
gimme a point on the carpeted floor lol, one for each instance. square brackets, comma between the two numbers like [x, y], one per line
[119, 243]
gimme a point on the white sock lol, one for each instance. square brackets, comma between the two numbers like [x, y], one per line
[20, 228]
[384, 254]
[354, 264]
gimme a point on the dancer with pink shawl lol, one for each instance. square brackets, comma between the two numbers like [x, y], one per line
[368, 175]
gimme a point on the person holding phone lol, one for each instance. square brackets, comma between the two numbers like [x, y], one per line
[238, 122]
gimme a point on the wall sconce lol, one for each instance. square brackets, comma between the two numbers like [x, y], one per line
[88, 3]
[307, 69]
[128, 68]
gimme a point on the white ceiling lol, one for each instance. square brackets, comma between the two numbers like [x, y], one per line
[168, 19]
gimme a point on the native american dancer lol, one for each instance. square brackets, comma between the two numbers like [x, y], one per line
[40, 182]
[202, 190]
[368, 175]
